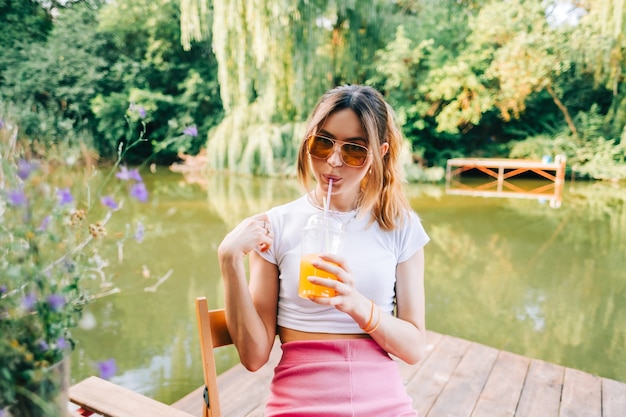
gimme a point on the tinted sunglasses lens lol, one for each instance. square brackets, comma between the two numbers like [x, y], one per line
[320, 147]
[353, 155]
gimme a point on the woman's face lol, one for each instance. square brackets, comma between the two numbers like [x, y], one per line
[344, 127]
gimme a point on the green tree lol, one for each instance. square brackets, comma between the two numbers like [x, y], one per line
[64, 72]
[438, 95]
[23, 22]
[51, 79]
[519, 73]
[161, 88]
[599, 47]
[98, 65]
[275, 59]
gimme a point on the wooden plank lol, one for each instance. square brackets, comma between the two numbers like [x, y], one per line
[504, 387]
[462, 391]
[504, 163]
[613, 398]
[111, 400]
[581, 396]
[408, 371]
[541, 394]
[429, 380]
[257, 412]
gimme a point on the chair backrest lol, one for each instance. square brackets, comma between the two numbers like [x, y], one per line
[213, 333]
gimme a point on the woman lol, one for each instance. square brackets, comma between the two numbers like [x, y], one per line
[335, 349]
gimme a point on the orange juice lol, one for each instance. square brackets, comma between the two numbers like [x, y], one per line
[308, 289]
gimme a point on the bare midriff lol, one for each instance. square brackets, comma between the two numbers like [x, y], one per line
[291, 335]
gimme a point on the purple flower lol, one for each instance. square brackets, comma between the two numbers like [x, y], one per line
[24, 168]
[17, 198]
[43, 345]
[191, 131]
[139, 109]
[139, 232]
[65, 196]
[28, 302]
[56, 301]
[125, 174]
[1, 126]
[139, 191]
[3, 289]
[61, 343]
[109, 202]
[107, 368]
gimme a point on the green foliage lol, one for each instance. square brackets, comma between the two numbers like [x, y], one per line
[63, 73]
[48, 87]
[23, 22]
[56, 139]
[589, 156]
[465, 77]
[595, 156]
[600, 159]
[110, 126]
[512, 76]
[85, 72]
[253, 146]
[433, 93]
[275, 60]
[537, 147]
[175, 88]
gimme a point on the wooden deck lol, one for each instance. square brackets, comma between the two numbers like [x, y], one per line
[458, 378]
[498, 171]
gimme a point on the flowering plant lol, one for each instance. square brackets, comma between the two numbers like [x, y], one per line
[52, 233]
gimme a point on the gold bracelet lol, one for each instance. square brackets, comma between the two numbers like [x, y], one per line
[371, 317]
[370, 331]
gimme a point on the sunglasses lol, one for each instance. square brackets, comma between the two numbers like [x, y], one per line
[353, 155]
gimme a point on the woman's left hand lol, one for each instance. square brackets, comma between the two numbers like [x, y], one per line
[346, 295]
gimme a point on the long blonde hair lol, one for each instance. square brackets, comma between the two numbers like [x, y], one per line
[381, 189]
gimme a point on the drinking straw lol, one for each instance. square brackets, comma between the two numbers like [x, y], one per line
[327, 199]
[326, 208]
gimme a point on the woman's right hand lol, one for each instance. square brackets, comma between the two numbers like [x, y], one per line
[252, 232]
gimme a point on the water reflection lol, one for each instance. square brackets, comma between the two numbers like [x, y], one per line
[513, 274]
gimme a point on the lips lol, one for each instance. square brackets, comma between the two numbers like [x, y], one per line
[335, 178]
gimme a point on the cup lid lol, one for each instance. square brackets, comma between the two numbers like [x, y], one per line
[327, 221]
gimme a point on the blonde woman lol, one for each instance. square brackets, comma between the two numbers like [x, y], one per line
[336, 350]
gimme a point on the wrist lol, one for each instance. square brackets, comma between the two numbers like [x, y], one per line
[362, 310]
[373, 320]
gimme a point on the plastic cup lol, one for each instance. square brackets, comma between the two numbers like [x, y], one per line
[321, 235]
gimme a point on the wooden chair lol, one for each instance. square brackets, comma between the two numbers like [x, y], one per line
[213, 333]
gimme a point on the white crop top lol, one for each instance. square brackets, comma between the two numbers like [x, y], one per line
[372, 256]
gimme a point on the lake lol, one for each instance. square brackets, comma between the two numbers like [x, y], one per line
[528, 276]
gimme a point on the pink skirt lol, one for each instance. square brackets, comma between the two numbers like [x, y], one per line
[337, 378]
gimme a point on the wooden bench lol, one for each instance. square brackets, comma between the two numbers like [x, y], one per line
[96, 396]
